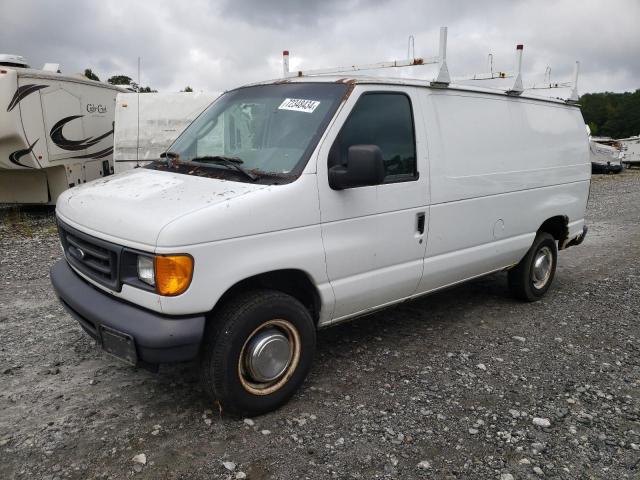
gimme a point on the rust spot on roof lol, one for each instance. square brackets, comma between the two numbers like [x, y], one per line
[351, 83]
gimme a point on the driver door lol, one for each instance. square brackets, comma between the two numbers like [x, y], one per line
[375, 236]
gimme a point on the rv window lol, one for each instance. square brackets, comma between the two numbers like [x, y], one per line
[385, 120]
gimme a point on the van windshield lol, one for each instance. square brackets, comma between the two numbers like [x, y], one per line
[266, 131]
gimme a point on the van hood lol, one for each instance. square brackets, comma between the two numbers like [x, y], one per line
[135, 205]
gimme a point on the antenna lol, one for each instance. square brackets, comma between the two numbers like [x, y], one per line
[411, 47]
[517, 87]
[138, 111]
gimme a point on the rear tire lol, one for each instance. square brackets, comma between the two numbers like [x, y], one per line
[234, 368]
[532, 277]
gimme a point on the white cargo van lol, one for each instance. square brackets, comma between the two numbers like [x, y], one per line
[296, 204]
[56, 131]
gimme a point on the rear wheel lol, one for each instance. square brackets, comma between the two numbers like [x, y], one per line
[257, 352]
[532, 277]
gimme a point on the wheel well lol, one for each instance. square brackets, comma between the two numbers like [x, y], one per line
[292, 282]
[557, 226]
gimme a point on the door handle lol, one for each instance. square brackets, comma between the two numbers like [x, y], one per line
[420, 217]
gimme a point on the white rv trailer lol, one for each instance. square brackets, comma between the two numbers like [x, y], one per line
[146, 124]
[56, 131]
[631, 151]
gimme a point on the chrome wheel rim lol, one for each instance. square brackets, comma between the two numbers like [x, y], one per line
[269, 357]
[542, 266]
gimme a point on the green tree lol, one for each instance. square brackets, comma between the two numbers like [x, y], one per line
[187, 89]
[90, 75]
[610, 114]
[119, 80]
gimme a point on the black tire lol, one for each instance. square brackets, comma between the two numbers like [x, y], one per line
[226, 338]
[522, 282]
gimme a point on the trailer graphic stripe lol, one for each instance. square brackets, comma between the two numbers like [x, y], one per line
[15, 156]
[100, 154]
[22, 92]
[73, 145]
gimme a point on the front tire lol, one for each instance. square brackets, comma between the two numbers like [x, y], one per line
[257, 352]
[532, 277]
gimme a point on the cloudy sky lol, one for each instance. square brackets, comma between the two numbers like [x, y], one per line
[215, 45]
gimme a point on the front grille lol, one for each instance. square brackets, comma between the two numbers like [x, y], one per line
[95, 258]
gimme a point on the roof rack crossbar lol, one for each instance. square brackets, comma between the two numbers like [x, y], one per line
[410, 62]
[574, 96]
[490, 75]
[441, 79]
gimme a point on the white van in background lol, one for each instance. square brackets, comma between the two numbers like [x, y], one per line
[147, 124]
[299, 203]
[56, 131]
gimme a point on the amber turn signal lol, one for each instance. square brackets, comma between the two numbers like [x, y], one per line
[173, 274]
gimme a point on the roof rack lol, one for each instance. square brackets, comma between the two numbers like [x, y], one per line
[490, 75]
[548, 84]
[442, 78]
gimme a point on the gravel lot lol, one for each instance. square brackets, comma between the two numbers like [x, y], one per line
[466, 383]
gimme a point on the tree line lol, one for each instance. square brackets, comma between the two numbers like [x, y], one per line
[615, 115]
[125, 81]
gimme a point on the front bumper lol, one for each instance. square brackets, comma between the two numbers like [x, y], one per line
[157, 338]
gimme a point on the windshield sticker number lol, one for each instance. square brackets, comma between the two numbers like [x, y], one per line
[299, 105]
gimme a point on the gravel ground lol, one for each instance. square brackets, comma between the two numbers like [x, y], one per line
[466, 383]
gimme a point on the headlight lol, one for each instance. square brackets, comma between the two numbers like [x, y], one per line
[169, 274]
[145, 270]
[173, 273]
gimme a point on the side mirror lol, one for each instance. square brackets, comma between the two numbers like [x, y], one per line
[364, 167]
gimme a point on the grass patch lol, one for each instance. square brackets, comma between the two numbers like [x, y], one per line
[24, 222]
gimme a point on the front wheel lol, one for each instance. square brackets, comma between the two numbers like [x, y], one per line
[257, 352]
[532, 277]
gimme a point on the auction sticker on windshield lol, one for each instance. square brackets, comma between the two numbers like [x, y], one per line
[299, 105]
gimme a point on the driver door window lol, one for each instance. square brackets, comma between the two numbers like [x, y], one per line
[385, 120]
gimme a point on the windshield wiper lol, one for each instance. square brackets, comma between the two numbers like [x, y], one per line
[232, 162]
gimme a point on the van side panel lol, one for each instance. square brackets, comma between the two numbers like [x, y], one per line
[499, 168]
